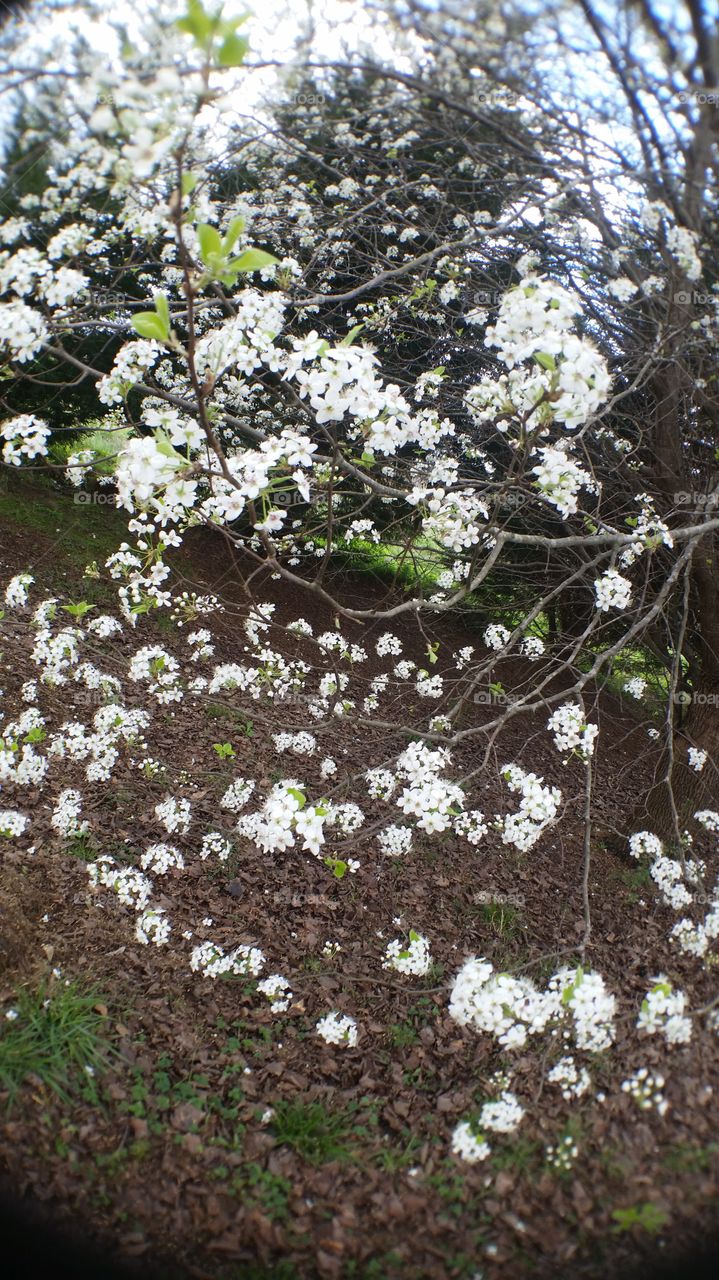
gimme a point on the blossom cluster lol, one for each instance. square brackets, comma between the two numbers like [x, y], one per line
[571, 732]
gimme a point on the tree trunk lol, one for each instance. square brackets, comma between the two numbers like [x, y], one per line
[688, 790]
[673, 803]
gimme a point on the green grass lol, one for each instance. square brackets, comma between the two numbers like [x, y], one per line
[81, 532]
[58, 1033]
[646, 1217]
[504, 919]
[520, 1154]
[629, 663]
[415, 569]
[399, 1155]
[269, 1191]
[637, 881]
[281, 1269]
[104, 437]
[243, 724]
[685, 1158]
[314, 1132]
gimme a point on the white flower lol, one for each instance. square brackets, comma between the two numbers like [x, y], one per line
[388, 643]
[496, 636]
[216, 845]
[16, 590]
[571, 732]
[337, 1028]
[211, 959]
[395, 841]
[468, 1143]
[559, 479]
[635, 687]
[278, 992]
[66, 813]
[612, 591]
[644, 842]
[12, 823]
[646, 1090]
[174, 815]
[152, 927]
[160, 858]
[503, 1115]
[237, 794]
[663, 1011]
[572, 1081]
[412, 957]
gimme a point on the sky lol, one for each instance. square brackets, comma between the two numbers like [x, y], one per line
[279, 30]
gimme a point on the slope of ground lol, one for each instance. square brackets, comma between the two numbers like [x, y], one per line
[202, 1131]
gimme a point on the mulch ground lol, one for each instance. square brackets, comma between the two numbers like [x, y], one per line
[169, 1159]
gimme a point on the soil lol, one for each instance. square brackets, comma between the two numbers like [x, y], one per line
[168, 1160]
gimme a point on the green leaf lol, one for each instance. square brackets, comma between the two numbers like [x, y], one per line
[163, 310]
[546, 360]
[164, 445]
[568, 993]
[196, 22]
[349, 339]
[254, 260]
[298, 796]
[35, 735]
[233, 51]
[149, 325]
[78, 610]
[189, 182]
[210, 242]
[233, 233]
[339, 868]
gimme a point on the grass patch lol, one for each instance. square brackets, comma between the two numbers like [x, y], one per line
[414, 568]
[504, 919]
[56, 1036]
[104, 438]
[685, 1158]
[82, 532]
[645, 1217]
[316, 1134]
[270, 1191]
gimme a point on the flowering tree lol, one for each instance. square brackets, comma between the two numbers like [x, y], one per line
[295, 441]
[395, 310]
[628, 165]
